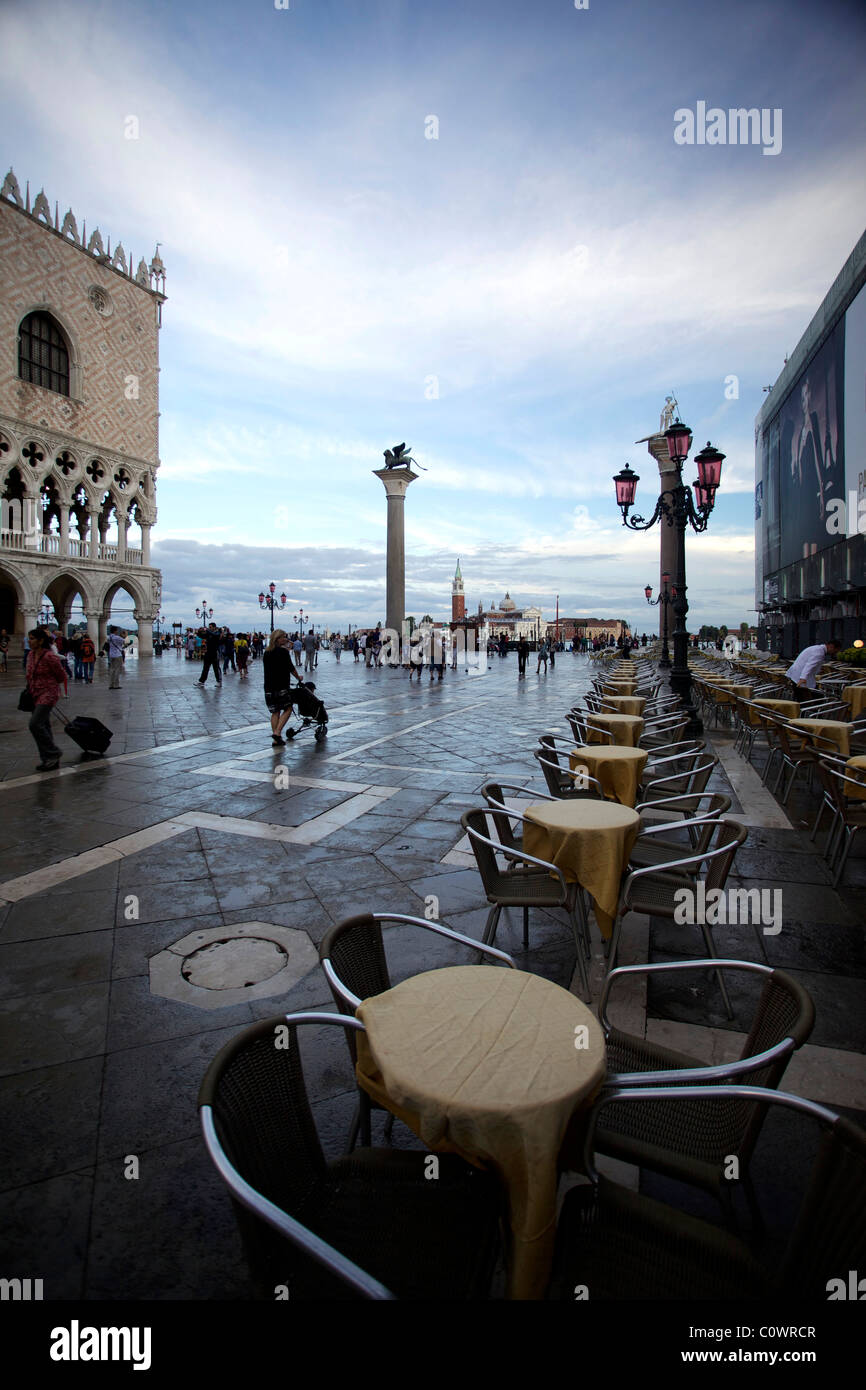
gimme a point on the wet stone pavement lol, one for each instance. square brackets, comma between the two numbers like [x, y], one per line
[157, 901]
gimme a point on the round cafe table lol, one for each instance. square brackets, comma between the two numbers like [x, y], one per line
[625, 729]
[490, 1064]
[790, 708]
[590, 841]
[855, 698]
[626, 704]
[833, 729]
[618, 769]
[856, 768]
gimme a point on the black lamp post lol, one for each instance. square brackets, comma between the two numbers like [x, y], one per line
[680, 510]
[204, 613]
[666, 597]
[300, 620]
[269, 600]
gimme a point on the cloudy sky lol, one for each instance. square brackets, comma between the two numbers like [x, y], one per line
[466, 225]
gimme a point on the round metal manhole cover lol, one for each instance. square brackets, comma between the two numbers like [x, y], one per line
[234, 964]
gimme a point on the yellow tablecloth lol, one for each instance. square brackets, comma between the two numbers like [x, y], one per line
[590, 841]
[626, 729]
[855, 697]
[833, 729]
[613, 688]
[619, 770]
[790, 708]
[490, 1064]
[856, 768]
[626, 704]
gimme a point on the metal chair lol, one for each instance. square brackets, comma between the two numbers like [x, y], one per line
[352, 955]
[553, 761]
[695, 1143]
[619, 1245]
[367, 1225]
[685, 783]
[656, 891]
[528, 882]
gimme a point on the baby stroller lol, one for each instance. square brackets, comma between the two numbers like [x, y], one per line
[310, 710]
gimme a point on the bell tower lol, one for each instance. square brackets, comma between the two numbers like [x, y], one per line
[458, 600]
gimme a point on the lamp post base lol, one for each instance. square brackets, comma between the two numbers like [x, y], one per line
[681, 685]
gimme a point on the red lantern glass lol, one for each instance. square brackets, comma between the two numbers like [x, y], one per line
[709, 462]
[625, 482]
[665, 578]
[704, 496]
[649, 592]
[283, 600]
[273, 588]
[679, 438]
[261, 598]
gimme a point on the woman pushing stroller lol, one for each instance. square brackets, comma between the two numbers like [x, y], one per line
[279, 669]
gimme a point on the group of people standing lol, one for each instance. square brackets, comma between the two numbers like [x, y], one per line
[221, 648]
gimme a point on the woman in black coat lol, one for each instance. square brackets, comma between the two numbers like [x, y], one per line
[279, 669]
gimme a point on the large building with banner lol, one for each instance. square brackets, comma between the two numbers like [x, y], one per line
[810, 479]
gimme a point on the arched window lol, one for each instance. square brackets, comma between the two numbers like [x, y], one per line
[43, 356]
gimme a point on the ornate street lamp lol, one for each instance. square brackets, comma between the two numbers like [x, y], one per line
[679, 509]
[666, 597]
[269, 601]
[300, 620]
[204, 614]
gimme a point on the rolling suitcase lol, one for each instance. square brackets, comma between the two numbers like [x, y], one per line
[91, 736]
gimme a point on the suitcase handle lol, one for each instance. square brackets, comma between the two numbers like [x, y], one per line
[55, 709]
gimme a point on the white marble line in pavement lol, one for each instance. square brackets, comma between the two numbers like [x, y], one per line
[401, 733]
[313, 830]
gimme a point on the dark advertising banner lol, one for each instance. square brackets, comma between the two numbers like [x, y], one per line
[811, 454]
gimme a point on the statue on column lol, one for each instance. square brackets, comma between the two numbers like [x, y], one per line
[669, 414]
[398, 457]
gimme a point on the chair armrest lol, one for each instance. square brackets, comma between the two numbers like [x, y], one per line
[292, 1230]
[698, 1075]
[663, 967]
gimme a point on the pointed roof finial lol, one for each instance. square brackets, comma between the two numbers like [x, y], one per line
[457, 574]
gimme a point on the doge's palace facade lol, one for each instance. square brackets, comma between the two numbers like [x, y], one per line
[79, 417]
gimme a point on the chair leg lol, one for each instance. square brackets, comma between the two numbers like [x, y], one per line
[581, 963]
[364, 1117]
[818, 818]
[491, 924]
[711, 950]
[849, 840]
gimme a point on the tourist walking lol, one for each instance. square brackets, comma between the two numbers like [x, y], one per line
[87, 654]
[228, 650]
[279, 668]
[211, 640]
[242, 654]
[75, 648]
[522, 654]
[337, 646]
[45, 675]
[543, 654]
[309, 651]
[113, 649]
[4, 648]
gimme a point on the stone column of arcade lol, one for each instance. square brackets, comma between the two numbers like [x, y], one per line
[395, 482]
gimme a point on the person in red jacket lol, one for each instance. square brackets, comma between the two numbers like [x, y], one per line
[45, 675]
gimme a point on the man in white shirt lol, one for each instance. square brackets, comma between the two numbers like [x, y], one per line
[807, 665]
